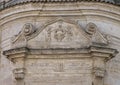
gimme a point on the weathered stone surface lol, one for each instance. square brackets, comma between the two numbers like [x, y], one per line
[60, 43]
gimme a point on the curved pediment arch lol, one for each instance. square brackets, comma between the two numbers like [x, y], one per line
[52, 21]
[58, 33]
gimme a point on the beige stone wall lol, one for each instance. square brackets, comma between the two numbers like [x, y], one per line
[58, 71]
[105, 16]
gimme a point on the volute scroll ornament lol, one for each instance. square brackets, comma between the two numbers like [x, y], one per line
[21, 39]
[91, 28]
[28, 29]
[97, 38]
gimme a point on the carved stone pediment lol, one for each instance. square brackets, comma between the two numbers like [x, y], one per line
[62, 40]
[59, 33]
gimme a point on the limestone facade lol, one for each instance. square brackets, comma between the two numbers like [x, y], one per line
[60, 43]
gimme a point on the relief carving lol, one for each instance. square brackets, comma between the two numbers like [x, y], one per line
[59, 33]
[20, 40]
[91, 28]
[97, 38]
[28, 29]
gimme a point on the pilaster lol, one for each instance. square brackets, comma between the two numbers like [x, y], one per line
[17, 56]
[100, 57]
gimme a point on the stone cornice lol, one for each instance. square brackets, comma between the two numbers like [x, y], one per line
[79, 9]
[7, 5]
[104, 52]
[15, 51]
[93, 51]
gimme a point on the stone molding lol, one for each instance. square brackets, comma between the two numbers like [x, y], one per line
[55, 9]
[102, 52]
[9, 4]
